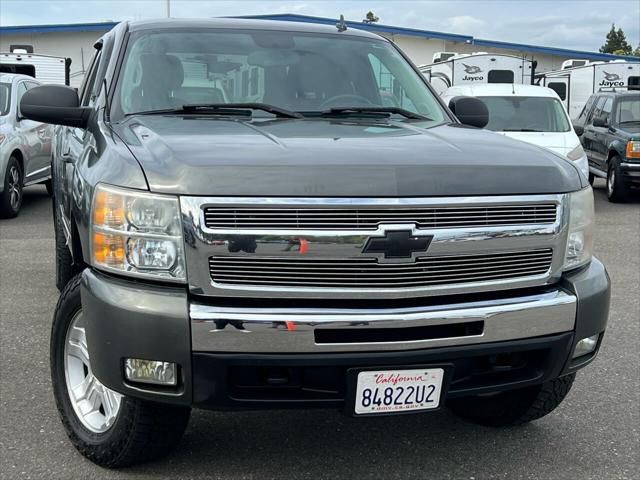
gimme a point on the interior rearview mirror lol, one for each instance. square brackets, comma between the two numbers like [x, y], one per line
[470, 111]
[55, 104]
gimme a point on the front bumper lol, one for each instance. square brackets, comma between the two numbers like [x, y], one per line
[257, 357]
[630, 173]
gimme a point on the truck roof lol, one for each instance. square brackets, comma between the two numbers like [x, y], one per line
[501, 90]
[248, 24]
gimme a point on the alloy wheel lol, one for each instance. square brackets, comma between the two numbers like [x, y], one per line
[15, 187]
[611, 179]
[95, 405]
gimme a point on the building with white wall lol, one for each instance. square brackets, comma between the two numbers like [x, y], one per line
[76, 41]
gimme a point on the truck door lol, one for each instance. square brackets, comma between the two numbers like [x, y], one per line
[77, 142]
[600, 145]
[588, 137]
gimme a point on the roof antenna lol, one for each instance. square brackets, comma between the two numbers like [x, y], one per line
[341, 26]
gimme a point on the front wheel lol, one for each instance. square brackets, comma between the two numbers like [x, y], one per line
[11, 195]
[109, 429]
[513, 407]
[617, 191]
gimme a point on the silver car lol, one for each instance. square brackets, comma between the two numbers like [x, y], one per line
[25, 145]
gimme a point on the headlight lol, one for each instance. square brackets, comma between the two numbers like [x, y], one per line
[137, 233]
[578, 156]
[633, 149]
[581, 222]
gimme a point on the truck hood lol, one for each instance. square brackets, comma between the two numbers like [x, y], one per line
[209, 155]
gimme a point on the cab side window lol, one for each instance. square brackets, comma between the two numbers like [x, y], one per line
[606, 110]
[88, 87]
[585, 111]
[595, 113]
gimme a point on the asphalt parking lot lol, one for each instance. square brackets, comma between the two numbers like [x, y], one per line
[594, 434]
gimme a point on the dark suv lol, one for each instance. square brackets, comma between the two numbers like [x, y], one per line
[611, 139]
[255, 214]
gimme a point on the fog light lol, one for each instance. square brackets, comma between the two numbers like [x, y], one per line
[585, 346]
[150, 371]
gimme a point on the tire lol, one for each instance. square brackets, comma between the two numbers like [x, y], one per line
[617, 191]
[11, 196]
[65, 269]
[592, 178]
[49, 186]
[514, 407]
[121, 431]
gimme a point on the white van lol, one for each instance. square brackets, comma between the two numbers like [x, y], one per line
[529, 113]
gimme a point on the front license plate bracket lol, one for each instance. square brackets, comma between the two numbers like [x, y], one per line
[412, 371]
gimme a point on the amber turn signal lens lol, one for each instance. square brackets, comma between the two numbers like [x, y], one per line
[108, 209]
[108, 250]
[633, 149]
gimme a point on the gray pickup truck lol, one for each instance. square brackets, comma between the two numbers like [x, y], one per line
[266, 215]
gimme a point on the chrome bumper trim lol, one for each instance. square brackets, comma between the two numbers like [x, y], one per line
[290, 330]
[630, 166]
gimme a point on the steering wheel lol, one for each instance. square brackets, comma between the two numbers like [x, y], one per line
[346, 99]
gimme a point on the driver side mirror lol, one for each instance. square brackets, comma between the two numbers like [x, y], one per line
[579, 129]
[470, 111]
[600, 122]
[55, 104]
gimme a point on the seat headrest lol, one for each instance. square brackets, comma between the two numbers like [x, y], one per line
[163, 70]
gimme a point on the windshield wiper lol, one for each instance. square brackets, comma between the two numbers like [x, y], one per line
[628, 121]
[239, 109]
[520, 130]
[374, 110]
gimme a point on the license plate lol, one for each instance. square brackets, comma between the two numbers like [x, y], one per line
[398, 391]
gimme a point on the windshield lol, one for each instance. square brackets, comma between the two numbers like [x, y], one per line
[300, 72]
[629, 110]
[526, 114]
[5, 99]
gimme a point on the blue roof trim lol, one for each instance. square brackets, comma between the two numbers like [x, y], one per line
[73, 27]
[377, 28]
[370, 27]
[553, 50]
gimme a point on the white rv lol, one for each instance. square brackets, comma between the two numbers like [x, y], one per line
[575, 85]
[44, 68]
[478, 67]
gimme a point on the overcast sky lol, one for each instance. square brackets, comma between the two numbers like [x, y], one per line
[559, 23]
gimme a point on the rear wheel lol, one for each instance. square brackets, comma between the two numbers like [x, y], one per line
[514, 407]
[617, 191]
[109, 429]
[11, 196]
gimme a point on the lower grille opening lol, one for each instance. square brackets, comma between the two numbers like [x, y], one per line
[297, 381]
[379, 335]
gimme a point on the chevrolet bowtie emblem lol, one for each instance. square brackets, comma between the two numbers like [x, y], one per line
[397, 245]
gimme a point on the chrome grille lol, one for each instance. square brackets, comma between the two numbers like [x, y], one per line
[366, 273]
[348, 218]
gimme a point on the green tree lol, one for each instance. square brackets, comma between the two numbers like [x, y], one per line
[616, 42]
[636, 52]
[370, 18]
